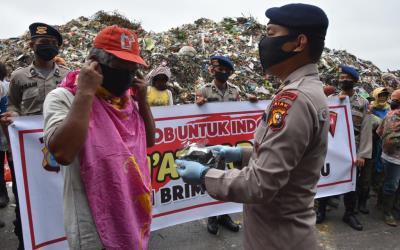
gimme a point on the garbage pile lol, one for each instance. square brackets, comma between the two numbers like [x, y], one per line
[186, 50]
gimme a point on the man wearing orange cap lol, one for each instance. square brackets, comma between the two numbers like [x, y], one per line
[98, 132]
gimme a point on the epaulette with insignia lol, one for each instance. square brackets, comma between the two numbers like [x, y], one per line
[233, 86]
[64, 67]
[18, 71]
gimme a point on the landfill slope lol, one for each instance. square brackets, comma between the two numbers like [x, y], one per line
[186, 50]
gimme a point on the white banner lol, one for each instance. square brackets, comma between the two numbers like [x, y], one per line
[40, 185]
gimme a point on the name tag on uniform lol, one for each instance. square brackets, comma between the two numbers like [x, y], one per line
[29, 85]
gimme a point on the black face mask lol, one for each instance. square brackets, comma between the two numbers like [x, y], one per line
[160, 86]
[46, 52]
[346, 85]
[116, 81]
[394, 104]
[222, 77]
[270, 50]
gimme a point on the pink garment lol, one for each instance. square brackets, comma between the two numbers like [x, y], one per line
[115, 173]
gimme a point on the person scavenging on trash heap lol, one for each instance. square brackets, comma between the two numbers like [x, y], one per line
[362, 127]
[389, 130]
[278, 180]
[220, 89]
[157, 92]
[98, 133]
[30, 85]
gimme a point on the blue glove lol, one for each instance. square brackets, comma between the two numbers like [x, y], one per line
[191, 172]
[229, 154]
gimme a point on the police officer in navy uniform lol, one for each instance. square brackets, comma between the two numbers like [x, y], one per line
[30, 85]
[278, 177]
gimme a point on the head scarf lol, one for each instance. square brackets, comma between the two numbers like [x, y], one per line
[376, 103]
[160, 70]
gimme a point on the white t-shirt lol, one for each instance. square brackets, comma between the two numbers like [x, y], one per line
[4, 87]
[78, 221]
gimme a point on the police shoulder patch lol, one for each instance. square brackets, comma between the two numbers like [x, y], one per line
[279, 109]
[277, 115]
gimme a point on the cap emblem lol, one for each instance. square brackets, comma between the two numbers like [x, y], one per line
[127, 41]
[41, 30]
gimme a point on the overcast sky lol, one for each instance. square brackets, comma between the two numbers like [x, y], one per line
[369, 29]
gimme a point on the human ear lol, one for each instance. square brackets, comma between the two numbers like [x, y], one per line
[302, 42]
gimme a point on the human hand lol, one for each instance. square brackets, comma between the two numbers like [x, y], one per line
[230, 154]
[252, 98]
[191, 171]
[201, 100]
[7, 117]
[139, 87]
[342, 97]
[90, 78]
[360, 162]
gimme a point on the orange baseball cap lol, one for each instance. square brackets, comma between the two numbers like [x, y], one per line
[120, 42]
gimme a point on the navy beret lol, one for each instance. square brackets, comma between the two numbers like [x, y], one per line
[350, 71]
[304, 17]
[42, 30]
[223, 60]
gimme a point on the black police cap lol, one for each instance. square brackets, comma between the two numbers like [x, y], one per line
[303, 17]
[42, 29]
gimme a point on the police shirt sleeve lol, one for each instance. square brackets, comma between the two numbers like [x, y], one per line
[14, 96]
[280, 142]
[365, 148]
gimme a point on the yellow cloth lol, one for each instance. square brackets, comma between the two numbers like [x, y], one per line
[156, 97]
[377, 103]
[116, 102]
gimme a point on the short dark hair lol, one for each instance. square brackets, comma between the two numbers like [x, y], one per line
[316, 43]
[316, 47]
[101, 55]
[3, 71]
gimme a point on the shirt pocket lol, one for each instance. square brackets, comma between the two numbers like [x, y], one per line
[213, 99]
[29, 97]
